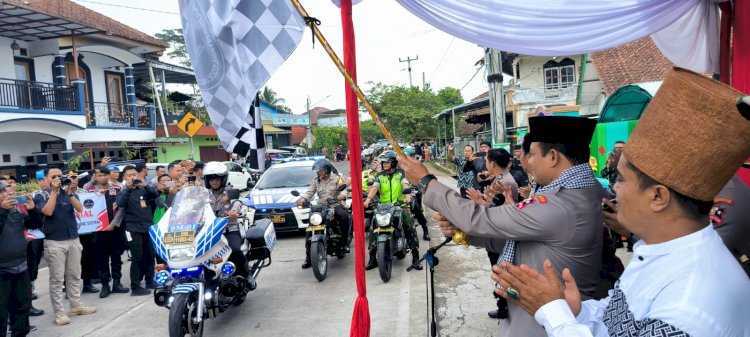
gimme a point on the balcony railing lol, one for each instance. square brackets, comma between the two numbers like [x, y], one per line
[36, 96]
[108, 115]
[538, 95]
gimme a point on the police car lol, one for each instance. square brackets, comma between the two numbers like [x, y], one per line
[272, 196]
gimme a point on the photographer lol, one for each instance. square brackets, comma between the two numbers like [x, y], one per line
[477, 164]
[62, 248]
[15, 282]
[134, 200]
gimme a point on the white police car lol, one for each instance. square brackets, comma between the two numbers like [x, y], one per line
[272, 196]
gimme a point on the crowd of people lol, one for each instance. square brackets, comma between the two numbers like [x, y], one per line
[681, 205]
[78, 262]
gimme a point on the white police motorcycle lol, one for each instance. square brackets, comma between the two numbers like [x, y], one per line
[198, 281]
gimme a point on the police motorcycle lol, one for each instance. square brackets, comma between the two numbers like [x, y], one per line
[326, 238]
[198, 281]
[391, 238]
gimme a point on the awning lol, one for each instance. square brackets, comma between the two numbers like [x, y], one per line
[22, 22]
[269, 129]
[463, 107]
[172, 73]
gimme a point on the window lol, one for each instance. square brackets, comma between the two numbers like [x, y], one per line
[6, 158]
[559, 75]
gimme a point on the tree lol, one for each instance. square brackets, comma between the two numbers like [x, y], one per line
[270, 97]
[329, 137]
[408, 111]
[176, 41]
[369, 132]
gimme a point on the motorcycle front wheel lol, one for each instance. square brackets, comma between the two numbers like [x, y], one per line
[319, 259]
[181, 315]
[385, 260]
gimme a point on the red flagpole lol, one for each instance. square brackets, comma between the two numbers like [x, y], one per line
[361, 316]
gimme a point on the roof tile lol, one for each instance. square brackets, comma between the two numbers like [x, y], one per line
[635, 62]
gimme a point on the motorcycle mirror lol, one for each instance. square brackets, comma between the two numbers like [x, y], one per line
[233, 194]
[295, 193]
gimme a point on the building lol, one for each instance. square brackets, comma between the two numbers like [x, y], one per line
[67, 77]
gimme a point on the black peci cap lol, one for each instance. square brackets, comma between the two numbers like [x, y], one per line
[101, 169]
[561, 129]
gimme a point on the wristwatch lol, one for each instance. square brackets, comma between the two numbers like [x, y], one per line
[424, 182]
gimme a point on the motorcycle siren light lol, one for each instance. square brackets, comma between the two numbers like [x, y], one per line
[162, 277]
[228, 269]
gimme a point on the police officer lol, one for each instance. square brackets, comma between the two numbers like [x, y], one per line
[216, 175]
[562, 222]
[391, 183]
[326, 185]
[111, 242]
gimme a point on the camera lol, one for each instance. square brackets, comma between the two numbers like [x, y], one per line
[20, 199]
[191, 179]
[481, 154]
[65, 181]
[137, 182]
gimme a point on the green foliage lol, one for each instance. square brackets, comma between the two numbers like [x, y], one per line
[27, 188]
[369, 132]
[129, 153]
[176, 42]
[75, 162]
[407, 111]
[270, 97]
[329, 137]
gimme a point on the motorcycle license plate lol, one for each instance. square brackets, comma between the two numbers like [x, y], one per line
[277, 218]
[315, 228]
[179, 237]
[384, 230]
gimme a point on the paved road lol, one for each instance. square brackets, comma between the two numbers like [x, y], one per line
[289, 301]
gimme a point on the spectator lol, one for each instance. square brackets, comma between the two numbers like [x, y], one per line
[141, 172]
[111, 241]
[198, 173]
[160, 208]
[89, 267]
[465, 179]
[15, 282]
[62, 247]
[114, 175]
[160, 171]
[477, 165]
[517, 171]
[134, 200]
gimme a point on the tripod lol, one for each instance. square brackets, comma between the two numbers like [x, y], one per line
[432, 261]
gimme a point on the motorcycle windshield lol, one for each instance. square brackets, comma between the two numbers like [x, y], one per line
[187, 209]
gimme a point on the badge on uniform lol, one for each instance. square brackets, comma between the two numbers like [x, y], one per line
[717, 212]
[540, 199]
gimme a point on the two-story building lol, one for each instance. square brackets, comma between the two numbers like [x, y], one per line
[67, 84]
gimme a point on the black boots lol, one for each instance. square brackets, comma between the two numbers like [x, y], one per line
[89, 288]
[415, 260]
[307, 263]
[426, 236]
[118, 288]
[372, 263]
[105, 290]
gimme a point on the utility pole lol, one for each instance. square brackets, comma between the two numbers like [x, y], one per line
[493, 59]
[408, 65]
[424, 83]
[308, 137]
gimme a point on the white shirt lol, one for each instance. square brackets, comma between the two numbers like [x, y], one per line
[687, 286]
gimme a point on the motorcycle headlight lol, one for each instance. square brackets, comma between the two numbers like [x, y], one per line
[181, 254]
[383, 219]
[316, 219]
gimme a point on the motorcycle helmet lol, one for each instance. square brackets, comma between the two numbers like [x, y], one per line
[388, 156]
[215, 169]
[323, 164]
[368, 152]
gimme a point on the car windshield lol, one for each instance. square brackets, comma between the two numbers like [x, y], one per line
[291, 176]
[188, 206]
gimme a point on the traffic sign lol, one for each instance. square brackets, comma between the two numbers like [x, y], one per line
[190, 124]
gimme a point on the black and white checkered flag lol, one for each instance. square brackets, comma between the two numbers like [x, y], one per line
[234, 47]
[251, 140]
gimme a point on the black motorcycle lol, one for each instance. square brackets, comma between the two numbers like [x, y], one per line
[326, 238]
[388, 226]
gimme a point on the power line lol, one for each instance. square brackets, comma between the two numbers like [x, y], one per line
[128, 7]
[472, 78]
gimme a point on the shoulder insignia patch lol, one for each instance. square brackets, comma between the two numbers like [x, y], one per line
[540, 199]
[717, 212]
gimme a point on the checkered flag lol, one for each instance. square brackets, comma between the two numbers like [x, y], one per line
[234, 47]
[251, 140]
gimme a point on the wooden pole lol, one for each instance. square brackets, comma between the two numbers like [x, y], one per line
[75, 53]
[349, 79]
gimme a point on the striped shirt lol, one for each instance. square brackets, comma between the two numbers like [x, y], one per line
[465, 179]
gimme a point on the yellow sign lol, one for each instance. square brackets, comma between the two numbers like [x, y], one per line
[190, 124]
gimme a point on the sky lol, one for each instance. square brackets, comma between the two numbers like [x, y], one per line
[384, 31]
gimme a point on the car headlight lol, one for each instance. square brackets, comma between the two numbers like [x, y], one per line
[181, 254]
[316, 219]
[383, 219]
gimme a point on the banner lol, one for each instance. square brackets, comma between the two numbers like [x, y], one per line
[93, 218]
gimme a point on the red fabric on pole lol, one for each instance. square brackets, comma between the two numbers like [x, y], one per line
[725, 52]
[741, 47]
[361, 316]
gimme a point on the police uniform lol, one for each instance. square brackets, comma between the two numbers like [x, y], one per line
[730, 217]
[562, 222]
[328, 189]
[110, 244]
[390, 188]
[232, 233]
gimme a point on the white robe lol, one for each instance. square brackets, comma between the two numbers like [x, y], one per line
[689, 286]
